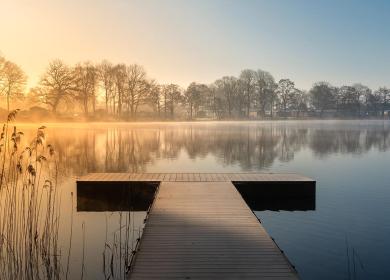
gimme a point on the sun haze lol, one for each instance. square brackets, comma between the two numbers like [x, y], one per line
[185, 41]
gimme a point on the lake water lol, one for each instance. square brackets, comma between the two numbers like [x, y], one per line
[345, 237]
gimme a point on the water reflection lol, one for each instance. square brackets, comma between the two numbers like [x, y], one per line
[278, 196]
[252, 146]
[114, 196]
[348, 203]
[138, 196]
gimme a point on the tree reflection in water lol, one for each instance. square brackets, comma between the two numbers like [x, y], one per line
[110, 230]
[252, 146]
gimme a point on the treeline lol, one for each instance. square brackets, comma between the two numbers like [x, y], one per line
[125, 92]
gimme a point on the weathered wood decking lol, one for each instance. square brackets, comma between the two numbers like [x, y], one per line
[194, 177]
[199, 227]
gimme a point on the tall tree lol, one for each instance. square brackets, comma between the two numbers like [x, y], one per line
[248, 86]
[285, 91]
[216, 104]
[373, 103]
[194, 96]
[227, 88]
[107, 78]
[172, 97]
[348, 100]
[265, 91]
[322, 96]
[298, 101]
[384, 95]
[154, 97]
[86, 86]
[362, 92]
[136, 88]
[57, 84]
[120, 87]
[12, 80]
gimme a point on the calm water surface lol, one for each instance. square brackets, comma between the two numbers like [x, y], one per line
[345, 237]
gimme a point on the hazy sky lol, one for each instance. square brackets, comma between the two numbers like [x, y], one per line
[182, 41]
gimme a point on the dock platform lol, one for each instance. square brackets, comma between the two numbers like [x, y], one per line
[200, 227]
[194, 177]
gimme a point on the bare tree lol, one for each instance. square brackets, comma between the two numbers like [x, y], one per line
[285, 91]
[120, 87]
[12, 80]
[172, 97]
[154, 97]
[124, 89]
[194, 97]
[216, 104]
[322, 96]
[265, 91]
[362, 92]
[298, 101]
[348, 100]
[85, 86]
[136, 88]
[248, 86]
[227, 87]
[384, 97]
[107, 78]
[373, 103]
[57, 84]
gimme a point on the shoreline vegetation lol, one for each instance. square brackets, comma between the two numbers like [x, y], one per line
[118, 92]
[29, 206]
[30, 214]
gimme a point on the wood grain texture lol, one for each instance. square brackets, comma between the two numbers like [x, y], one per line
[195, 177]
[205, 230]
[199, 227]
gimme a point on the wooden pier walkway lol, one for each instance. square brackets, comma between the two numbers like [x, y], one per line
[199, 227]
[194, 177]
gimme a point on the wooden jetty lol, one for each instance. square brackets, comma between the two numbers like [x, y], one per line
[195, 177]
[199, 226]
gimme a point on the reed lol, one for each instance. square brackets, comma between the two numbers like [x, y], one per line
[29, 206]
[119, 253]
[30, 215]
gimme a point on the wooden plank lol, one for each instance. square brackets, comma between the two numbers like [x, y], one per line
[202, 177]
[205, 230]
[179, 177]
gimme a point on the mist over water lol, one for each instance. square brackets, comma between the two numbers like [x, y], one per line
[211, 146]
[345, 237]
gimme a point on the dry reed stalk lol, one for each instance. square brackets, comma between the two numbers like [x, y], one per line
[29, 207]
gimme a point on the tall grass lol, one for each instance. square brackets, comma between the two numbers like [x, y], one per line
[119, 252]
[30, 215]
[29, 206]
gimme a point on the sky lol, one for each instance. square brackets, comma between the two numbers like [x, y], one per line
[181, 41]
